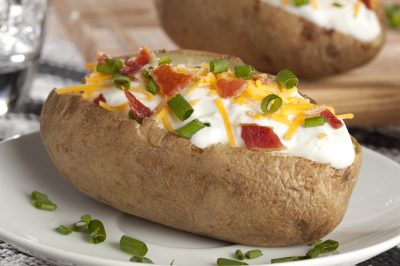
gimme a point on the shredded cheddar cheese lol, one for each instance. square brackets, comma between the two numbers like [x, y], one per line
[84, 88]
[227, 123]
[345, 116]
[148, 95]
[314, 4]
[90, 66]
[321, 136]
[357, 7]
[98, 78]
[163, 116]
[118, 108]
[294, 126]
[194, 102]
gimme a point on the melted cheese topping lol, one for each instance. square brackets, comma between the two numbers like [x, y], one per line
[352, 17]
[322, 144]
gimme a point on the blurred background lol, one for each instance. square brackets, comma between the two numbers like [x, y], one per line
[54, 56]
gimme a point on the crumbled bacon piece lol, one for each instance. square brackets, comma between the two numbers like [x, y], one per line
[169, 81]
[255, 136]
[101, 58]
[332, 120]
[139, 110]
[134, 64]
[99, 98]
[367, 3]
[229, 88]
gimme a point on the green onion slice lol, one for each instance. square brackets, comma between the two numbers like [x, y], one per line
[180, 107]
[172, 262]
[244, 71]
[86, 218]
[121, 82]
[239, 254]
[314, 121]
[188, 130]
[301, 2]
[337, 4]
[287, 259]
[271, 103]
[287, 79]
[133, 246]
[224, 262]
[62, 229]
[252, 254]
[314, 253]
[329, 245]
[97, 233]
[42, 202]
[111, 66]
[151, 86]
[164, 60]
[219, 66]
[141, 259]
[393, 15]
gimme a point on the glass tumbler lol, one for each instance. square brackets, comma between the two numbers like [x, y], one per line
[21, 39]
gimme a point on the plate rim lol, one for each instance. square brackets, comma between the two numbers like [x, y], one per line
[64, 256]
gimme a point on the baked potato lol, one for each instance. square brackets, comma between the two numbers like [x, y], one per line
[314, 40]
[254, 192]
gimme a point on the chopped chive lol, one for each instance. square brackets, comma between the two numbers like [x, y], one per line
[336, 4]
[111, 66]
[62, 229]
[42, 202]
[393, 15]
[121, 82]
[141, 259]
[314, 253]
[86, 218]
[97, 233]
[329, 245]
[271, 103]
[287, 259]
[164, 60]
[133, 246]
[287, 79]
[316, 242]
[219, 66]
[151, 86]
[252, 254]
[314, 121]
[172, 262]
[180, 107]
[225, 262]
[301, 2]
[80, 227]
[239, 254]
[244, 71]
[188, 130]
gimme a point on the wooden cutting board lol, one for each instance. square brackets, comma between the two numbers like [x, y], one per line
[117, 27]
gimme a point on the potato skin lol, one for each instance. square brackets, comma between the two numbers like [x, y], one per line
[264, 36]
[253, 197]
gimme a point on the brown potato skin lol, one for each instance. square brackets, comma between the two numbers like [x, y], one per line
[264, 36]
[253, 197]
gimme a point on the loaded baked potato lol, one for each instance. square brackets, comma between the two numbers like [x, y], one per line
[313, 38]
[201, 142]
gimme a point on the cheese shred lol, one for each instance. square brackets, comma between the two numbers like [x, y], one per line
[227, 123]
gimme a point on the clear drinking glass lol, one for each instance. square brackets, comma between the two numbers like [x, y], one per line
[21, 39]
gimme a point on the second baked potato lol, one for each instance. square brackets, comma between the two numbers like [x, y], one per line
[272, 35]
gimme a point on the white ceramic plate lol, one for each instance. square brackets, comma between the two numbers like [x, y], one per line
[371, 225]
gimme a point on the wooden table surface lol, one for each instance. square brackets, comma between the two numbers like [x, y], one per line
[117, 27]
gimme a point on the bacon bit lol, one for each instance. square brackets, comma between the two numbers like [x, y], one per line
[139, 110]
[256, 136]
[134, 64]
[101, 58]
[332, 120]
[230, 88]
[368, 3]
[99, 98]
[169, 81]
